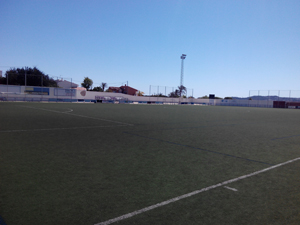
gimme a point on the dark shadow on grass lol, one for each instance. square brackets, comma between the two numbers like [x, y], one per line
[182, 128]
[274, 139]
[201, 149]
[2, 222]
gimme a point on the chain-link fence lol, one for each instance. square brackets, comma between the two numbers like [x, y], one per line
[32, 87]
[275, 95]
[155, 90]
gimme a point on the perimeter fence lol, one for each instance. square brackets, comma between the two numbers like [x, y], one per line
[28, 87]
[165, 90]
[275, 95]
[257, 98]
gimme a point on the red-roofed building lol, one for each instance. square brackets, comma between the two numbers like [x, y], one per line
[123, 89]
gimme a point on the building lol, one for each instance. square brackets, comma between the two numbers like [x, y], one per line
[66, 84]
[123, 89]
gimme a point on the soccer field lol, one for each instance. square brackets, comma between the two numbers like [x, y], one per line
[64, 163]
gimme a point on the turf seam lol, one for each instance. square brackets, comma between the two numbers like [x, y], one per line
[128, 215]
[274, 139]
[181, 128]
[72, 114]
[170, 123]
[61, 128]
[201, 149]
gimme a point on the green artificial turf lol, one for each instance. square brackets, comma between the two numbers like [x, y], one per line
[67, 163]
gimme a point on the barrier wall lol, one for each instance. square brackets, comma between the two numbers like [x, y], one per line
[30, 93]
[49, 94]
[244, 103]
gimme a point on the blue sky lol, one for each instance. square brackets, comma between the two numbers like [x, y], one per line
[231, 46]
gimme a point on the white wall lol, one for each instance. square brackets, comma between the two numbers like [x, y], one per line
[16, 93]
[66, 84]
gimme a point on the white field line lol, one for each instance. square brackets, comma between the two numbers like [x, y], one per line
[71, 110]
[232, 189]
[60, 128]
[192, 193]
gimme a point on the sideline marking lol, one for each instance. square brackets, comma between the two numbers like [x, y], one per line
[68, 113]
[232, 189]
[128, 215]
[60, 128]
[71, 110]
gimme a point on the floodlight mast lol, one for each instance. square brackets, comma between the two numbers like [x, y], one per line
[181, 77]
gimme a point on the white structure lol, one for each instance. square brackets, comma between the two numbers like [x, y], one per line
[51, 94]
[66, 84]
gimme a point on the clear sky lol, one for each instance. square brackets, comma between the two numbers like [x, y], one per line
[231, 46]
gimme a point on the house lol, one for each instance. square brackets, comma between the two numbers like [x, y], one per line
[123, 89]
[115, 90]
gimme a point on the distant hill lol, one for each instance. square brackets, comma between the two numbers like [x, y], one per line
[270, 98]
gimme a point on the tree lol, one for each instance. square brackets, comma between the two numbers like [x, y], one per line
[174, 94]
[158, 95]
[204, 97]
[140, 93]
[103, 86]
[178, 92]
[99, 89]
[2, 80]
[34, 77]
[182, 90]
[87, 83]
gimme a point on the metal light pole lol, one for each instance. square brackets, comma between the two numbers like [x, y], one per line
[72, 91]
[7, 87]
[25, 84]
[181, 77]
[42, 86]
[25, 79]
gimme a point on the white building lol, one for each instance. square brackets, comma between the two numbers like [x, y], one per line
[66, 84]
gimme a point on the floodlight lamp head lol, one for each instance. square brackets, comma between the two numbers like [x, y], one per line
[183, 56]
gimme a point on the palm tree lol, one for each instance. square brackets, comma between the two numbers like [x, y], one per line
[182, 90]
[103, 86]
